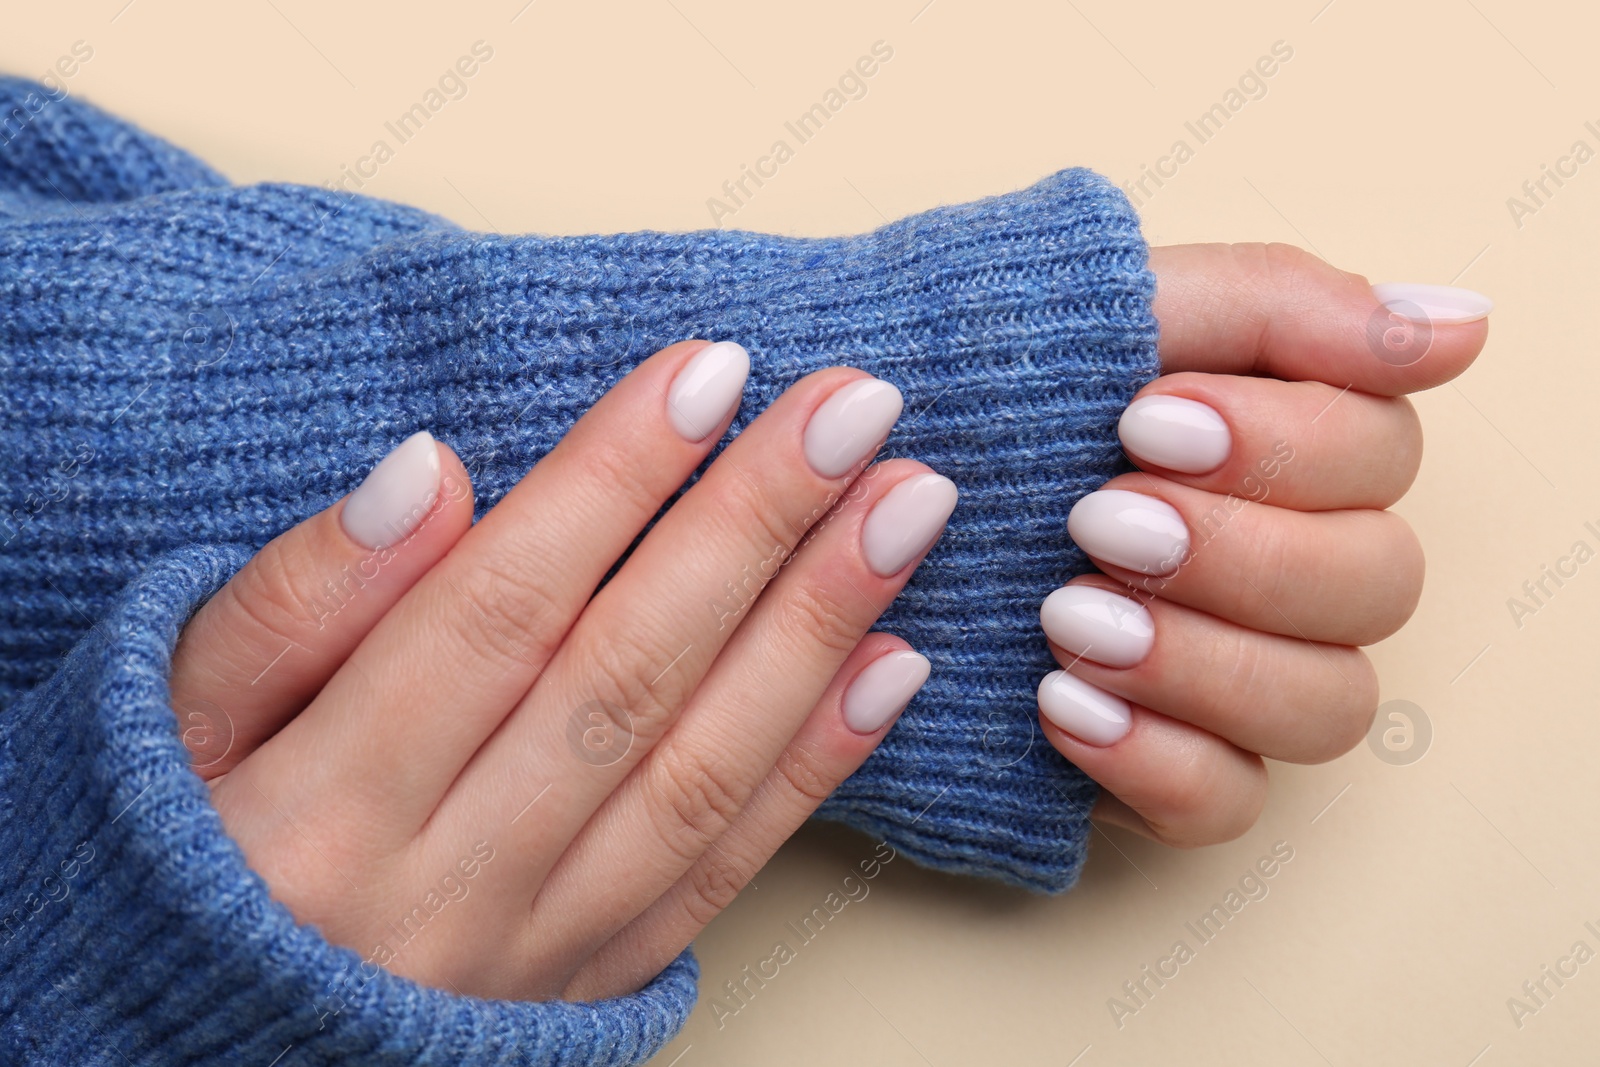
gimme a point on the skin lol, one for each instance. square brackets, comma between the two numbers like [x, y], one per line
[429, 723]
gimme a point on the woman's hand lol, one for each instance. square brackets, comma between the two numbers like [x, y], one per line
[450, 753]
[1251, 554]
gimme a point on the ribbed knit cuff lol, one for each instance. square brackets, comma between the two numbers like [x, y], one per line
[134, 932]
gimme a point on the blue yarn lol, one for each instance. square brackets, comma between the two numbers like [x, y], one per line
[191, 368]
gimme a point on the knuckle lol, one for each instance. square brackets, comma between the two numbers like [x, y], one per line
[712, 884]
[1355, 712]
[1288, 264]
[1269, 559]
[1201, 807]
[617, 472]
[822, 615]
[753, 511]
[1248, 678]
[511, 611]
[696, 802]
[1399, 567]
[636, 677]
[274, 590]
[1393, 449]
[807, 775]
[1344, 712]
[1406, 448]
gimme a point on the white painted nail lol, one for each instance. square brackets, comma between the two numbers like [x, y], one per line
[396, 496]
[707, 390]
[883, 687]
[1098, 625]
[1176, 433]
[1438, 304]
[905, 521]
[1131, 530]
[1086, 712]
[849, 426]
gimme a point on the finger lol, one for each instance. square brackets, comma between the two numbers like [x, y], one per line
[260, 649]
[768, 681]
[1344, 577]
[1279, 311]
[1176, 782]
[1282, 697]
[394, 727]
[874, 685]
[1303, 445]
[646, 640]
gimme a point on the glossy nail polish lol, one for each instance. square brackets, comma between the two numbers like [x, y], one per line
[1131, 530]
[1098, 625]
[1435, 304]
[1176, 433]
[707, 390]
[883, 687]
[1087, 712]
[847, 428]
[905, 521]
[396, 496]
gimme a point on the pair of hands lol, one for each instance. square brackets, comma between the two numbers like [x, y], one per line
[453, 755]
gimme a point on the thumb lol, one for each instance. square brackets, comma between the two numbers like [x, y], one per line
[266, 644]
[1279, 311]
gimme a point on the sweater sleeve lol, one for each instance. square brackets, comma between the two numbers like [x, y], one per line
[192, 369]
[133, 931]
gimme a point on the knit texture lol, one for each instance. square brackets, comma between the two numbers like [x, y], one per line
[190, 368]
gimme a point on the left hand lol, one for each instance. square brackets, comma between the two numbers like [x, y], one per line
[1251, 555]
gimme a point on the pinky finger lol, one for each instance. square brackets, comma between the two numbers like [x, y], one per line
[1164, 778]
[870, 690]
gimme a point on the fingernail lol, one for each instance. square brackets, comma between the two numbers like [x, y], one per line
[1098, 625]
[1131, 530]
[1438, 304]
[886, 685]
[1176, 433]
[707, 389]
[1086, 712]
[849, 425]
[905, 521]
[396, 496]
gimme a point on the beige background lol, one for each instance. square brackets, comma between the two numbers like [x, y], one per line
[1420, 896]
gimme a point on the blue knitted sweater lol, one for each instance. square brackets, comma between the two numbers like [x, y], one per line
[188, 368]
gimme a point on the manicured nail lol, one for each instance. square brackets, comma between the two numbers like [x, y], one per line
[396, 496]
[707, 390]
[849, 425]
[905, 521]
[1176, 433]
[1438, 304]
[1086, 712]
[1098, 625]
[1131, 530]
[886, 685]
